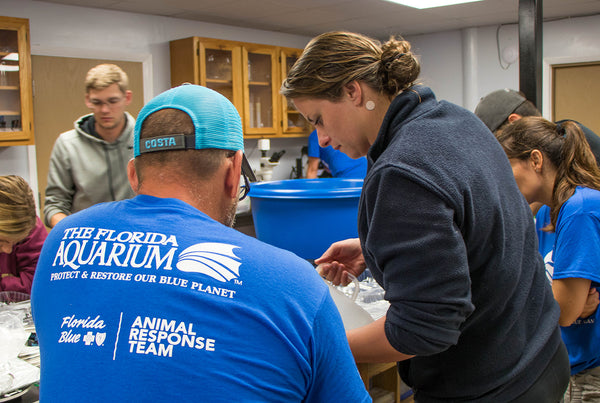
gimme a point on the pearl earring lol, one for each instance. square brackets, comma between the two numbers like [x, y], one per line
[370, 105]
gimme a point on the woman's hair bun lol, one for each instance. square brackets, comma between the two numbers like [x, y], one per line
[400, 68]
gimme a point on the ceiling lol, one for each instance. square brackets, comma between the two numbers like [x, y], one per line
[376, 18]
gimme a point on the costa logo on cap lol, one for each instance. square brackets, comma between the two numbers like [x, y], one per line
[170, 142]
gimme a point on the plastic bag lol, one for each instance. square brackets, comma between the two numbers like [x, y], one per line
[12, 340]
[12, 335]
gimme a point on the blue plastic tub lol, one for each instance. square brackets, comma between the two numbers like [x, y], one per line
[305, 216]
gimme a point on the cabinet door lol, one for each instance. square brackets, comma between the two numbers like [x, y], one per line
[16, 106]
[292, 121]
[220, 70]
[184, 61]
[259, 67]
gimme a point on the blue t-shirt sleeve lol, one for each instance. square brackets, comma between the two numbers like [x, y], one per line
[577, 251]
[335, 376]
[313, 145]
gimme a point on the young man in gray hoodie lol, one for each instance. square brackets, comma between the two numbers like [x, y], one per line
[88, 163]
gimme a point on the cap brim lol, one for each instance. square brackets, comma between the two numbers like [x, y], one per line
[247, 169]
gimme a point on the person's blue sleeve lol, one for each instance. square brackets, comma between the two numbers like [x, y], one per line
[335, 376]
[577, 251]
[313, 145]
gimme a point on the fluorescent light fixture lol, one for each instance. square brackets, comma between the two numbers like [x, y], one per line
[421, 4]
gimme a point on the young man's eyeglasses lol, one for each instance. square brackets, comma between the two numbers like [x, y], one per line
[111, 102]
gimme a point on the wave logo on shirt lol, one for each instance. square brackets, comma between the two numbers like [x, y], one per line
[216, 260]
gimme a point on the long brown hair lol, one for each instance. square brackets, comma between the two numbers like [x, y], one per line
[564, 145]
[17, 208]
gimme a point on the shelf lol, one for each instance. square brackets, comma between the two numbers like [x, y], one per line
[218, 81]
[16, 99]
[260, 83]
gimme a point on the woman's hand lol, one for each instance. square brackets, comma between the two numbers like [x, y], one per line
[341, 258]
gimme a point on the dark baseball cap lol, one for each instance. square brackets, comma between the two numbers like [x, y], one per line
[496, 107]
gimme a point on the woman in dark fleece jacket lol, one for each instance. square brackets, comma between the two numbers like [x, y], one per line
[442, 226]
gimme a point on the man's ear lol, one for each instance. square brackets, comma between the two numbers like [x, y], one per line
[513, 117]
[87, 101]
[128, 97]
[233, 174]
[132, 175]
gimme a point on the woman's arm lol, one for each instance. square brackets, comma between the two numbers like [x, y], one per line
[25, 258]
[370, 344]
[571, 295]
[313, 167]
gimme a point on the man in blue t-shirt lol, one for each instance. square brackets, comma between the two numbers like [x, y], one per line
[338, 163]
[157, 298]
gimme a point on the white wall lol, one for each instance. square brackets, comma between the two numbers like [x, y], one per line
[460, 66]
[455, 61]
[59, 30]
[440, 56]
[443, 60]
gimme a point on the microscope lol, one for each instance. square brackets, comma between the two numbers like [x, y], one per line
[267, 163]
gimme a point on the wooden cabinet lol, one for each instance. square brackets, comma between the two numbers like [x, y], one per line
[16, 103]
[248, 74]
[259, 84]
[293, 121]
[385, 378]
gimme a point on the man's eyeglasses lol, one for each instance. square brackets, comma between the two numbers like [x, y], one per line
[245, 188]
[247, 173]
[111, 102]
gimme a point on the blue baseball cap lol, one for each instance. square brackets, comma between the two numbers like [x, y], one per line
[217, 123]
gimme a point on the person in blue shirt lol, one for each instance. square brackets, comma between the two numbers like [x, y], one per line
[554, 165]
[158, 299]
[338, 163]
[500, 108]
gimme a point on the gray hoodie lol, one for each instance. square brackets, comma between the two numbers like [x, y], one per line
[85, 170]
